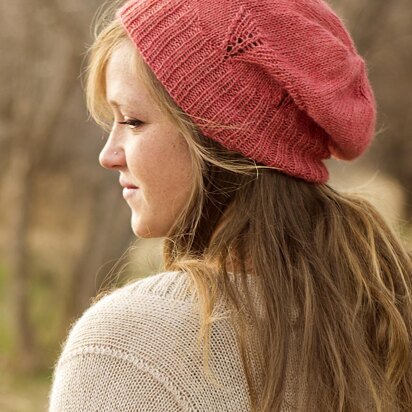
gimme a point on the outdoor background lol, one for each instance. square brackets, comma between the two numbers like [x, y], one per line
[63, 221]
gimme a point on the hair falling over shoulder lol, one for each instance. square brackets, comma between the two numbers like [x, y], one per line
[333, 328]
[336, 286]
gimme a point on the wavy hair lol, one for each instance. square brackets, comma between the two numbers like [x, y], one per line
[318, 286]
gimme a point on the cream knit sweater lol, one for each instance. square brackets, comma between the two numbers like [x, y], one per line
[135, 350]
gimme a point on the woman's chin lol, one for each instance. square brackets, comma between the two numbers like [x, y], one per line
[139, 229]
[139, 232]
[148, 228]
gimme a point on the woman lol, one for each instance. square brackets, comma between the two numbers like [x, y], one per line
[279, 293]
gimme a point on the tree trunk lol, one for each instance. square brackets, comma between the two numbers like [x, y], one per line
[20, 193]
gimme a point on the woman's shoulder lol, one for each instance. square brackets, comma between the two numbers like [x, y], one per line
[149, 327]
[173, 286]
[130, 338]
[126, 317]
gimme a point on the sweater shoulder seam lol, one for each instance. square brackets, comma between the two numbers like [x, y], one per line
[139, 363]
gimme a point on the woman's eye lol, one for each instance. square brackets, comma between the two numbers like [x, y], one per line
[132, 123]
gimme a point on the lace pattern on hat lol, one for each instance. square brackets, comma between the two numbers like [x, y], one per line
[243, 35]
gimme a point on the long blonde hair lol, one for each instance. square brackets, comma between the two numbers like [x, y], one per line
[333, 280]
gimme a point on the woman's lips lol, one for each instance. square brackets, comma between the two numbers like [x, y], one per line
[129, 191]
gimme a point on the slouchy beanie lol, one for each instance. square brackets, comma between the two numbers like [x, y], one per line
[279, 81]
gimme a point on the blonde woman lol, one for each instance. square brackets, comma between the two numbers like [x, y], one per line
[278, 293]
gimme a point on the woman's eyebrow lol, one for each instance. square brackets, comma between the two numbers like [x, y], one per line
[114, 103]
[131, 108]
[118, 105]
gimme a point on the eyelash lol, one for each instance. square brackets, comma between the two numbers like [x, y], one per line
[133, 123]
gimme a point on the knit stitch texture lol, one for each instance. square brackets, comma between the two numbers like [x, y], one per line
[135, 350]
[282, 77]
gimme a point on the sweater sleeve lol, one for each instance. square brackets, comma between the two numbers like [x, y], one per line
[100, 379]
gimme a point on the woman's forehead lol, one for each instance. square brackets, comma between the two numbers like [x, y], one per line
[122, 62]
[124, 88]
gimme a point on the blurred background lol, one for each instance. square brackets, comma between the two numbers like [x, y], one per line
[63, 221]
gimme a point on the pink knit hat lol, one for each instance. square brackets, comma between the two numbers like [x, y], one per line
[285, 71]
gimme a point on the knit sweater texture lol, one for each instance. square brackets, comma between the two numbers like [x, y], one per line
[136, 350]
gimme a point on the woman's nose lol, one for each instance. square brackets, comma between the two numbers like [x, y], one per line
[111, 156]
